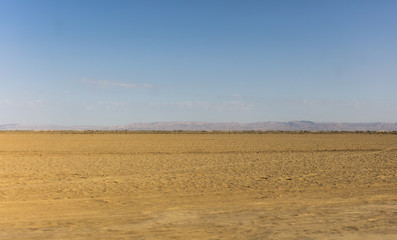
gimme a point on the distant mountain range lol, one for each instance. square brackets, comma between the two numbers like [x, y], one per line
[225, 126]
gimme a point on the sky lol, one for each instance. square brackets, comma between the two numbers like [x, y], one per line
[112, 62]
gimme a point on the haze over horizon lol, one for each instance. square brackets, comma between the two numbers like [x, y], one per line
[120, 62]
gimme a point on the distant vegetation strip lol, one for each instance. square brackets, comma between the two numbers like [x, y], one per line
[189, 132]
[296, 126]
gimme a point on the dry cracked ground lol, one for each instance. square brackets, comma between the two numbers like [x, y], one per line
[57, 185]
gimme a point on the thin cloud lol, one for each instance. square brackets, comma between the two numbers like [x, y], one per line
[104, 84]
[212, 106]
[5, 103]
[33, 104]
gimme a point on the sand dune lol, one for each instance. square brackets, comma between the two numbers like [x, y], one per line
[198, 186]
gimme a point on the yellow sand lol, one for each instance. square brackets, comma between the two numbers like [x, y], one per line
[198, 186]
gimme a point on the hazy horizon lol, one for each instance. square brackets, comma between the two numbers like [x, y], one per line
[177, 121]
[109, 63]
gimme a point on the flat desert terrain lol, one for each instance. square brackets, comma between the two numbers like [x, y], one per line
[198, 186]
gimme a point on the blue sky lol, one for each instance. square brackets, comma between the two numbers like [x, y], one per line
[120, 62]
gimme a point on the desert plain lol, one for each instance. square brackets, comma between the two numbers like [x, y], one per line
[71, 185]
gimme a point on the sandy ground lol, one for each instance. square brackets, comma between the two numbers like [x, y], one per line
[198, 186]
